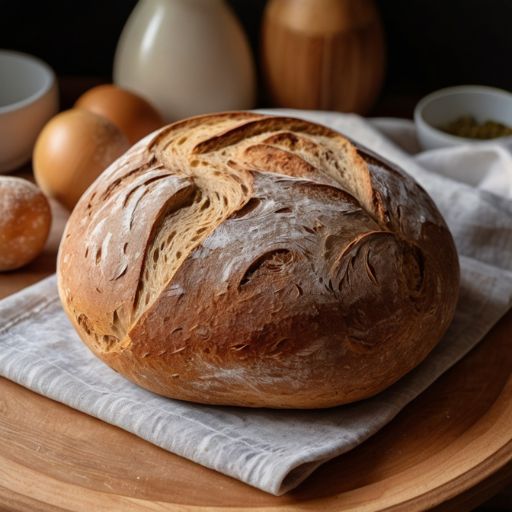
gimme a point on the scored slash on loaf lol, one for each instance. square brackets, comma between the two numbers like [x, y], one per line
[260, 261]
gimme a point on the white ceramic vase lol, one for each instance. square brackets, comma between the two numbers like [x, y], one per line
[186, 57]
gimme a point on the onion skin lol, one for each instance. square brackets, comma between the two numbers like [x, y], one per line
[72, 150]
[131, 113]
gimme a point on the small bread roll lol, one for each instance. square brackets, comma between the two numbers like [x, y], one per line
[25, 220]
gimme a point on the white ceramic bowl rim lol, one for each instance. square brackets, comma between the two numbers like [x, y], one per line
[449, 91]
[47, 71]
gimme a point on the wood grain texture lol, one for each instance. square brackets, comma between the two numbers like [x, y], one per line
[323, 54]
[455, 435]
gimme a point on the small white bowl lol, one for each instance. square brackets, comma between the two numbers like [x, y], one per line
[447, 105]
[28, 99]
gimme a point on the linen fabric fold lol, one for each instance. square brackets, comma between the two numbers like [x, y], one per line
[275, 450]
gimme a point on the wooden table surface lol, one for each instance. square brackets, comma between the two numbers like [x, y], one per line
[484, 482]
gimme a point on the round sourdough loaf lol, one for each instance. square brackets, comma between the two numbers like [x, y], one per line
[259, 261]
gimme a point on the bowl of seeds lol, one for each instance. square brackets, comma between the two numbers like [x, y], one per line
[469, 114]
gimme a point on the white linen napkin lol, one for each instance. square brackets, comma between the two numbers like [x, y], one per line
[275, 450]
[487, 165]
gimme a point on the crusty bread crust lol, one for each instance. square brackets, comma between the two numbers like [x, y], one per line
[261, 261]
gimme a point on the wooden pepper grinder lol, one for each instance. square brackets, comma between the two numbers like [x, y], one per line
[323, 54]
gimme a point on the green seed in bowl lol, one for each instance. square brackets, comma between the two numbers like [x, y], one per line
[468, 127]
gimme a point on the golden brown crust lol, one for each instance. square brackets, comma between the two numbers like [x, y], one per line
[252, 260]
[25, 220]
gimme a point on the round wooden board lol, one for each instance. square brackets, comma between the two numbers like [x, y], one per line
[455, 435]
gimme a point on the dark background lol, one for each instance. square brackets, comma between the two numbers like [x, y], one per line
[431, 43]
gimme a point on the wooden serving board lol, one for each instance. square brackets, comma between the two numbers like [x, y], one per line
[443, 450]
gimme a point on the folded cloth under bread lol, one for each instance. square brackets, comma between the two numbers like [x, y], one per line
[276, 450]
